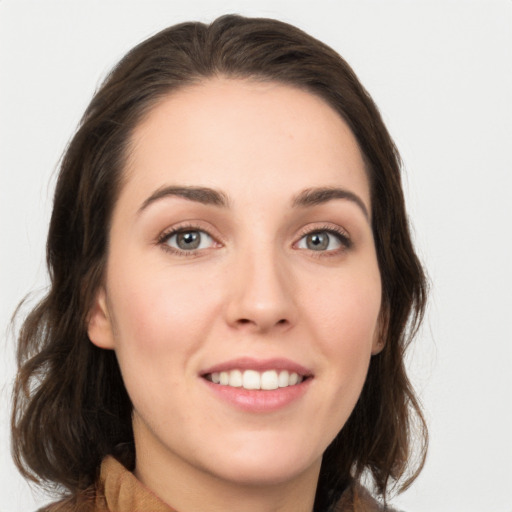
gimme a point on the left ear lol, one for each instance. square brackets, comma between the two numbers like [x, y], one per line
[381, 330]
[99, 324]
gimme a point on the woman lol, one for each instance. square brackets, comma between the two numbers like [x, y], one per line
[233, 286]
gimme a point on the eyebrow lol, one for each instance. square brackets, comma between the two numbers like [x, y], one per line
[318, 196]
[202, 195]
[208, 196]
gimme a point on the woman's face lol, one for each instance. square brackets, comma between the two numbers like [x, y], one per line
[241, 250]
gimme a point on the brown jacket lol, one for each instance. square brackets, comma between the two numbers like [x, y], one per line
[118, 490]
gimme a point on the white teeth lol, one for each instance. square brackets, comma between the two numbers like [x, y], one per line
[283, 378]
[269, 380]
[235, 378]
[252, 379]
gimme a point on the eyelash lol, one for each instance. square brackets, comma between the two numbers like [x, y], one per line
[339, 233]
[342, 236]
[166, 235]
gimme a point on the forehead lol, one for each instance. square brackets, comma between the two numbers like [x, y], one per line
[241, 134]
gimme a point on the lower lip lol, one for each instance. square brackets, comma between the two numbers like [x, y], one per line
[257, 400]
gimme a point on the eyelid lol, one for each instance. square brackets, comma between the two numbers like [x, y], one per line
[182, 227]
[333, 229]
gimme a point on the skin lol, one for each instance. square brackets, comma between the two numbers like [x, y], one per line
[254, 288]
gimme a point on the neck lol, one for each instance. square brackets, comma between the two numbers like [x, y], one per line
[186, 488]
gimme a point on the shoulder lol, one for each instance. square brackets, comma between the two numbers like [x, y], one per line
[357, 499]
[367, 503]
[85, 501]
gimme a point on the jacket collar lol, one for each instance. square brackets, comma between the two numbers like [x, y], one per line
[119, 490]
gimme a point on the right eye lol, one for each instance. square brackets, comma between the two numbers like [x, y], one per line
[320, 241]
[187, 240]
[327, 240]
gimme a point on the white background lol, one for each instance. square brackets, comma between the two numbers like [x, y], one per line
[441, 73]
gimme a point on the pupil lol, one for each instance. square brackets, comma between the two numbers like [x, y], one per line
[318, 241]
[188, 240]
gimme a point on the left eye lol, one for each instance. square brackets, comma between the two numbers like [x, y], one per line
[189, 240]
[320, 241]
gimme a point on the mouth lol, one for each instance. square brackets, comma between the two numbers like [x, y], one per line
[256, 380]
[258, 385]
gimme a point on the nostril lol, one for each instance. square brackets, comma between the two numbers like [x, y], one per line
[247, 321]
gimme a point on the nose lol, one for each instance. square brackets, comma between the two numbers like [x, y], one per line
[261, 297]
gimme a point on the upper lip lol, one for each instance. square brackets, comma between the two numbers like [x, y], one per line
[249, 363]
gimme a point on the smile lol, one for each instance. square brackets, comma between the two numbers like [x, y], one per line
[253, 379]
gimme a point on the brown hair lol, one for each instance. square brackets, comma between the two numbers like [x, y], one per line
[70, 405]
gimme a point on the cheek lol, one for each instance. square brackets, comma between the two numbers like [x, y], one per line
[347, 306]
[344, 315]
[157, 336]
[160, 314]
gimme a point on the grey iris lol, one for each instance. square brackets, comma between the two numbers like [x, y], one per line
[317, 241]
[188, 240]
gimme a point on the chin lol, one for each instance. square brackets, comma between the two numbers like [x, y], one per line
[266, 466]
